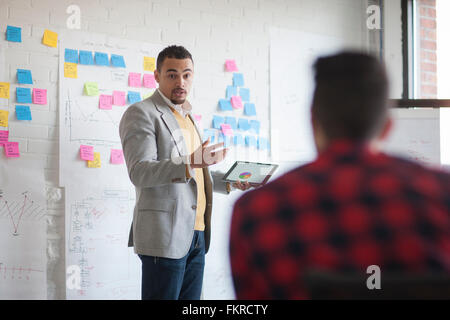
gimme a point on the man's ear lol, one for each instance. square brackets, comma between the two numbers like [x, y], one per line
[156, 73]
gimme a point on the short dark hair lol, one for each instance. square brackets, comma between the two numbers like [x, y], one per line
[177, 52]
[351, 95]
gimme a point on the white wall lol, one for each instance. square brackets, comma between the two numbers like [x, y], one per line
[213, 30]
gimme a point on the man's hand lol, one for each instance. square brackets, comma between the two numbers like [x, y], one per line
[206, 155]
[242, 185]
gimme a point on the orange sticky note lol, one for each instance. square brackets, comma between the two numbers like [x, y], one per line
[149, 64]
[4, 90]
[50, 38]
[70, 70]
[4, 115]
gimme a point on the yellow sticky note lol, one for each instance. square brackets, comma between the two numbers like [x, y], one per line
[91, 88]
[50, 38]
[4, 115]
[96, 163]
[4, 90]
[70, 70]
[149, 64]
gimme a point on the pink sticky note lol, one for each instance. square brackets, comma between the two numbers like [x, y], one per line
[149, 81]
[119, 98]
[134, 80]
[230, 65]
[105, 102]
[4, 136]
[87, 152]
[198, 117]
[116, 156]
[226, 129]
[236, 102]
[39, 96]
[12, 149]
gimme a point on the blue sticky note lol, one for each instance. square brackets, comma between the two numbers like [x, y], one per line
[245, 94]
[71, 55]
[232, 122]
[134, 97]
[117, 61]
[23, 113]
[254, 126]
[225, 105]
[238, 140]
[101, 59]
[208, 133]
[238, 79]
[225, 139]
[250, 141]
[249, 109]
[243, 124]
[13, 34]
[24, 76]
[263, 143]
[23, 95]
[86, 57]
[231, 91]
[217, 121]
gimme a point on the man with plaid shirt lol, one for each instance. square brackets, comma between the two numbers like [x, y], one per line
[350, 208]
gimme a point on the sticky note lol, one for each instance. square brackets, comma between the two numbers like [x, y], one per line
[105, 102]
[226, 129]
[13, 34]
[209, 133]
[254, 126]
[70, 70]
[263, 143]
[149, 81]
[23, 95]
[230, 65]
[4, 115]
[24, 76]
[238, 79]
[236, 102]
[149, 64]
[249, 109]
[243, 124]
[217, 121]
[39, 96]
[117, 61]
[96, 163]
[101, 59]
[50, 38]
[91, 88]
[86, 57]
[71, 55]
[117, 156]
[245, 94]
[4, 136]
[12, 149]
[134, 97]
[119, 98]
[23, 113]
[232, 122]
[145, 96]
[231, 91]
[134, 79]
[86, 152]
[250, 141]
[225, 139]
[238, 140]
[225, 105]
[198, 117]
[4, 90]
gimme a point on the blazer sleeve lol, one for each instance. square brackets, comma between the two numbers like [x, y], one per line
[138, 137]
[219, 185]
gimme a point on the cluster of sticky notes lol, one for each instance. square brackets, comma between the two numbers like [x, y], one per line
[93, 158]
[96, 163]
[24, 76]
[4, 90]
[25, 95]
[50, 38]
[23, 113]
[149, 64]
[13, 34]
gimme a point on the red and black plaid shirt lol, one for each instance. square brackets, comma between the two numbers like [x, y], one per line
[347, 210]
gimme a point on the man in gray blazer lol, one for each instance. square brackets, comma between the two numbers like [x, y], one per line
[168, 165]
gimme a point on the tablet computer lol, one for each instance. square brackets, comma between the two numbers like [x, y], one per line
[254, 173]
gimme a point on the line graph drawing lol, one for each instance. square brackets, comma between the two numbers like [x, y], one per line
[17, 272]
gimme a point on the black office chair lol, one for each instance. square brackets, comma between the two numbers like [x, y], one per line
[325, 285]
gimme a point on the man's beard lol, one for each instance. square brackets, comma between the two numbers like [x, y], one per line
[176, 102]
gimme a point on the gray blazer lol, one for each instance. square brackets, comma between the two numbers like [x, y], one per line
[155, 153]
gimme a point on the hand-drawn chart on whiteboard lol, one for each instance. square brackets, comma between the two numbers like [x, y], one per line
[23, 233]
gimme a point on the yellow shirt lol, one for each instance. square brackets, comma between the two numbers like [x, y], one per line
[193, 142]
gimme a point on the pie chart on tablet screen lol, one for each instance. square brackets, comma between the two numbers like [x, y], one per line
[245, 175]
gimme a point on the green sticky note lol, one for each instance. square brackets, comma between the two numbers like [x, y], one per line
[91, 88]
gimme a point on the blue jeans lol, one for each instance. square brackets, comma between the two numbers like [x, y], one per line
[175, 279]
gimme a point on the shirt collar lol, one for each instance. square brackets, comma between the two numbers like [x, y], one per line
[178, 107]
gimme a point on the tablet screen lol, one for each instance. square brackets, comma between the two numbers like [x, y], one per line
[251, 172]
